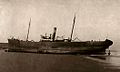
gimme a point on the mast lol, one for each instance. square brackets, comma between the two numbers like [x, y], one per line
[28, 30]
[73, 26]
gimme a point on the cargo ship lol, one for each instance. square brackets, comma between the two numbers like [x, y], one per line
[49, 44]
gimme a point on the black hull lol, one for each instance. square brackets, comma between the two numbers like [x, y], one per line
[86, 47]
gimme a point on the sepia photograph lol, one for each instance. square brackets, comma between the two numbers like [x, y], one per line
[59, 35]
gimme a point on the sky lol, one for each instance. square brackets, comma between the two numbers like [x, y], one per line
[95, 19]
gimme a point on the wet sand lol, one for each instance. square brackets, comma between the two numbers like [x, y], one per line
[29, 62]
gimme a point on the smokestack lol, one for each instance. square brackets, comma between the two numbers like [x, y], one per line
[54, 33]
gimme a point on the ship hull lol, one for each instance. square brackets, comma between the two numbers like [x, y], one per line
[86, 47]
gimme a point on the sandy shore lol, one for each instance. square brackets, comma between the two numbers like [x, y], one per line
[29, 62]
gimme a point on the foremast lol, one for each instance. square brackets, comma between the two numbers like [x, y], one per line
[28, 30]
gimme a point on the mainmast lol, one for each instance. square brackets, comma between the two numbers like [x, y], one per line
[73, 27]
[28, 30]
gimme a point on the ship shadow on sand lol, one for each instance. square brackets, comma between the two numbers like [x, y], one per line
[101, 55]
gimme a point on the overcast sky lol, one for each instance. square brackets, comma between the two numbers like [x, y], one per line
[95, 19]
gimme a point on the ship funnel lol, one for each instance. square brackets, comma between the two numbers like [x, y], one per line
[54, 33]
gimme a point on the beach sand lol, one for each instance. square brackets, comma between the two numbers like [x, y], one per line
[30, 62]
